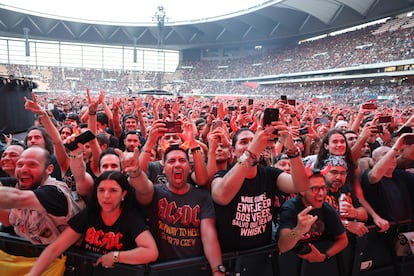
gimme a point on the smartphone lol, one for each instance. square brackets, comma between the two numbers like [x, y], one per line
[232, 108]
[216, 123]
[291, 102]
[82, 138]
[173, 127]
[384, 119]
[270, 115]
[369, 106]
[250, 102]
[243, 109]
[284, 99]
[303, 131]
[214, 111]
[409, 140]
[322, 120]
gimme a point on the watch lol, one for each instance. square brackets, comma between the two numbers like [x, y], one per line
[116, 256]
[221, 268]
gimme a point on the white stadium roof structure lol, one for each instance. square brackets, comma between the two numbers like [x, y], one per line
[263, 22]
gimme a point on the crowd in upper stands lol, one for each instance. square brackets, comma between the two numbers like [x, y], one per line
[389, 41]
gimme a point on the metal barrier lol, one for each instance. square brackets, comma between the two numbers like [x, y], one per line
[372, 254]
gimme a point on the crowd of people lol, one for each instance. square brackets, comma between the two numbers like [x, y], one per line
[203, 176]
[144, 179]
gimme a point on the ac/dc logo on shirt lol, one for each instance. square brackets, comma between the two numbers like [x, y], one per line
[186, 215]
[99, 240]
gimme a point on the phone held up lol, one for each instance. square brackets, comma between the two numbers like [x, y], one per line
[270, 115]
[173, 127]
[82, 138]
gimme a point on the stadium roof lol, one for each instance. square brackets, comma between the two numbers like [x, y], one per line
[268, 22]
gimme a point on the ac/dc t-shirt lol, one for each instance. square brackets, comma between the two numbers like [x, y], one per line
[101, 238]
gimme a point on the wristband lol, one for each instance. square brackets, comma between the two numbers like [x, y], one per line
[80, 154]
[327, 257]
[293, 153]
[192, 150]
[135, 174]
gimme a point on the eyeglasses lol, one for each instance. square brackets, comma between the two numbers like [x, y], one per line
[341, 173]
[317, 189]
[297, 141]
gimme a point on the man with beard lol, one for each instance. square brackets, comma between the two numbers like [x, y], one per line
[132, 141]
[40, 206]
[353, 215]
[309, 216]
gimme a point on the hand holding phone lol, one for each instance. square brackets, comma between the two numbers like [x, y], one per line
[82, 138]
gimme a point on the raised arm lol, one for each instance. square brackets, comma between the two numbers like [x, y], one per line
[59, 148]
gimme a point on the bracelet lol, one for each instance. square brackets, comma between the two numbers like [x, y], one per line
[346, 223]
[294, 234]
[91, 113]
[253, 156]
[116, 257]
[292, 153]
[136, 173]
[192, 150]
[327, 257]
[147, 151]
[80, 154]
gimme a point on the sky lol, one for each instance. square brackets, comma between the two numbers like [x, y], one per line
[134, 12]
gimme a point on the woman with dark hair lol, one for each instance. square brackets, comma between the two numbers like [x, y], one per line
[334, 143]
[110, 225]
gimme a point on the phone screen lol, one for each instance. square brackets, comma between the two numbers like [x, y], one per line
[173, 127]
[284, 98]
[384, 119]
[82, 138]
[270, 115]
[292, 102]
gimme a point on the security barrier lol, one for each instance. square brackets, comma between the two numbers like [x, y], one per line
[373, 254]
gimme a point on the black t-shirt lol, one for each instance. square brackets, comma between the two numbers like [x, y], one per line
[246, 222]
[327, 224]
[390, 197]
[333, 197]
[101, 238]
[52, 199]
